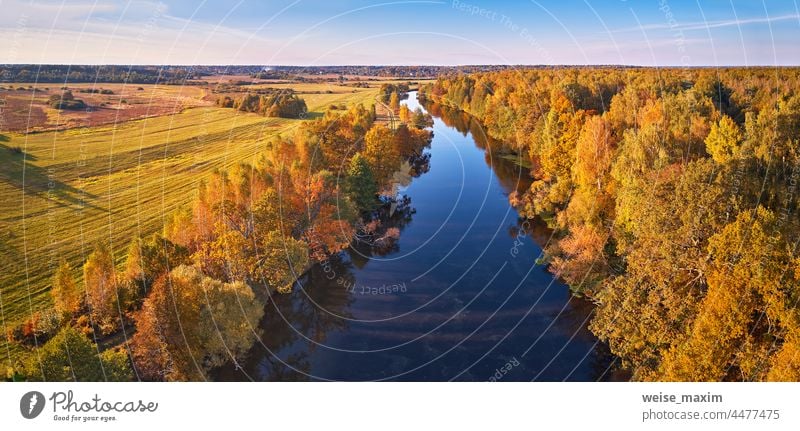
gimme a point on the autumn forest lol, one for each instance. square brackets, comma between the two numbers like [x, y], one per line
[672, 195]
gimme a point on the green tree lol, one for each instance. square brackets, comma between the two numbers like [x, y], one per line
[149, 259]
[361, 185]
[70, 357]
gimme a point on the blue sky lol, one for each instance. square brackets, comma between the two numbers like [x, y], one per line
[312, 32]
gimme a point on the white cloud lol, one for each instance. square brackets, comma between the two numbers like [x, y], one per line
[694, 26]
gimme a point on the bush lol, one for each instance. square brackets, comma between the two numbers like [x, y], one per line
[276, 105]
[66, 101]
[38, 329]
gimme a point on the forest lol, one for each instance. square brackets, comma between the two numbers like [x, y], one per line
[189, 298]
[672, 197]
[64, 74]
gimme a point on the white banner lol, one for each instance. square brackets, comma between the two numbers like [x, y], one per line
[400, 406]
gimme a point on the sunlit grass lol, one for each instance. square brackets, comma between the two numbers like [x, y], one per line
[67, 190]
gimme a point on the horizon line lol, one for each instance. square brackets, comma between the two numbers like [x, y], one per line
[671, 66]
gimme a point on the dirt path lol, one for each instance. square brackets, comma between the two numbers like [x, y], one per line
[384, 114]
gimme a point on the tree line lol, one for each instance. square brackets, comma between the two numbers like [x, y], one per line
[672, 195]
[62, 73]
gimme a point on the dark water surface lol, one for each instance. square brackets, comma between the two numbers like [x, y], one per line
[458, 297]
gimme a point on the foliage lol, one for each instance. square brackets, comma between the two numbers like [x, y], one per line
[66, 101]
[361, 184]
[688, 257]
[66, 296]
[102, 296]
[282, 104]
[70, 357]
[191, 323]
[724, 141]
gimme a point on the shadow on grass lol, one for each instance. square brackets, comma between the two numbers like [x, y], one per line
[313, 115]
[37, 182]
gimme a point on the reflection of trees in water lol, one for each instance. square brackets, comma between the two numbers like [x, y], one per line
[382, 227]
[512, 176]
[381, 235]
[535, 228]
[318, 305]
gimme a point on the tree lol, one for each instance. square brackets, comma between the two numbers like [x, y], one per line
[382, 154]
[281, 260]
[591, 173]
[724, 142]
[746, 265]
[405, 114]
[361, 185]
[70, 357]
[340, 136]
[101, 288]
[394, 101]
[66, 297]
[149, 259]
[192, 323]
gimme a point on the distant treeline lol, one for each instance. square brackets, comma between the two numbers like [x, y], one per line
[173, 74]
[395, 71]
[116, 74]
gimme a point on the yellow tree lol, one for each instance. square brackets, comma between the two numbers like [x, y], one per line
[66, 297]
[724, 141]
[382, 154]
[101, 288]
[191, 323]
[747, 261]
[394, 101]
[405, 114]
[591, 173]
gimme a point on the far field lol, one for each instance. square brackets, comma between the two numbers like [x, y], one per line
[63, 190]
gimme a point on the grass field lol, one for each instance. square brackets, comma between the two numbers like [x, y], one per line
[25, 106]
[62, 191]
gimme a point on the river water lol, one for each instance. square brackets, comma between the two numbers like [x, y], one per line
[458, 296]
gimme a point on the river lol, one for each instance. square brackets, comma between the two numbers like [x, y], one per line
[458, 296]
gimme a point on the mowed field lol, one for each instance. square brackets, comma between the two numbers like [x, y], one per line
[25, 107]
[63, 191]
